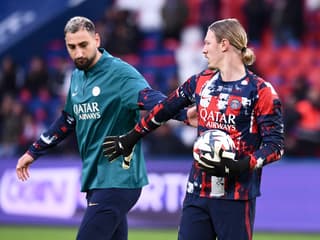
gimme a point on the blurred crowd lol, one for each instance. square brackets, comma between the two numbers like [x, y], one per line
[163, 39]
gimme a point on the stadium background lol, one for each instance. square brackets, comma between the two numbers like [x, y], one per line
[34, 75]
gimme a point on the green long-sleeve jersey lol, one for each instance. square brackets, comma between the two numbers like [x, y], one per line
[104, 101]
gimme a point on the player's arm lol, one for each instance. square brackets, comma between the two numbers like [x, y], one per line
[164, 111]
[271, 127]
[58, 131]
[172, 107]
[268, 115]
[115, 146]
[148, 98]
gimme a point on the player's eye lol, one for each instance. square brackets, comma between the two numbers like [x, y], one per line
[71, 47]
[83, 45]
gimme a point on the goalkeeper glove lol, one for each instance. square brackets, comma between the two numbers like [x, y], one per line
[234, 167]
[114, 146]
[214, 169]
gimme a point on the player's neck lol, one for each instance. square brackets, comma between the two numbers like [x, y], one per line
[231, 72]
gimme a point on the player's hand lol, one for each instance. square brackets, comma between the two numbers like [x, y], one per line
[22, 167]
[192, 116]
[216, 169]
[233, 166]
[210, 161]
[114, 146]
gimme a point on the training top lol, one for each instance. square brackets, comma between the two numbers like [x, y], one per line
[104, 101]
[248, 109]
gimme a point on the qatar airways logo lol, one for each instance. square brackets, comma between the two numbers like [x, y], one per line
[215, 119]
[87, 111]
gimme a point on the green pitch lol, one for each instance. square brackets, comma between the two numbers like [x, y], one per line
[50, 233]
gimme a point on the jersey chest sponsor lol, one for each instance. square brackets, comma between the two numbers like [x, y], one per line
[86, 111]
[216, 119]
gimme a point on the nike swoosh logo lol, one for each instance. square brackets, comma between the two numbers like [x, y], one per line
[74, 94]
[47, 140]
[90, 204]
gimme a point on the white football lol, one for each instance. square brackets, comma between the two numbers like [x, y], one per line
[208, 145]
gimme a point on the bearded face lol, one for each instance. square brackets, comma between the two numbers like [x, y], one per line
[82, 48]
[83, 63]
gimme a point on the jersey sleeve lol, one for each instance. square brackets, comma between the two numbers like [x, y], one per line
[58, 131]
[269, 117]
[149, 97]
[168, 108]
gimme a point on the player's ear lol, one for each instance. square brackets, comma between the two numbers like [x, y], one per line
[224, 44]
[98, 39]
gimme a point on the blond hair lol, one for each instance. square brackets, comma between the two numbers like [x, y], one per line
[233, 31]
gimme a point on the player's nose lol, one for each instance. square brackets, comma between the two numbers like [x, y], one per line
[78, 53]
